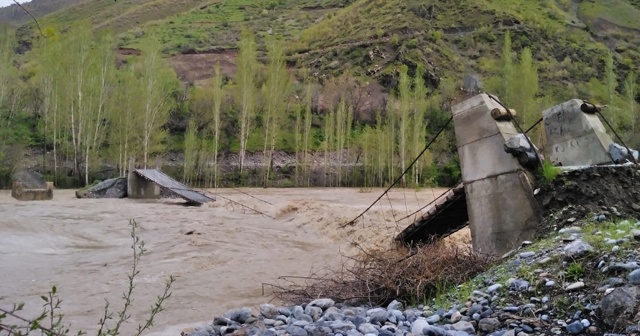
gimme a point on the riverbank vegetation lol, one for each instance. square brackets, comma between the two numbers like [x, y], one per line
[310, 105]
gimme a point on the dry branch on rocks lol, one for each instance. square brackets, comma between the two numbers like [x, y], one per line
[378, 276]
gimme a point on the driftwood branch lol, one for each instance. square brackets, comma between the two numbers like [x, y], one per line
[377, 276]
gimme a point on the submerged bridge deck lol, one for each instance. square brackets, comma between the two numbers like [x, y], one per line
[444, 217]
[165, 182]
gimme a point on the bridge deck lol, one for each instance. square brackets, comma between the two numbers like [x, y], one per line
[166, 182]
[444, 217]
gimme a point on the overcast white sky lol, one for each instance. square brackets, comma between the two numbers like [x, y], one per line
[4, 3]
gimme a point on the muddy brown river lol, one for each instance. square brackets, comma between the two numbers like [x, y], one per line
[220, 254]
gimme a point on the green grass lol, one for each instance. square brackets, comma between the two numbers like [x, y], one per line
[575, 271]
[618, 12]
[218, 24]
[548, 171]
[596, 233]
[452, 43]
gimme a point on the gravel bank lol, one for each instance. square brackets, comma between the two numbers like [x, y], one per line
[581, 280]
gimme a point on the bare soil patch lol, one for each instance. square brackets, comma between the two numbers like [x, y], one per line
[199, 68]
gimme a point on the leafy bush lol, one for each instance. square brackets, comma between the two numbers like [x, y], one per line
[395, 40]
[435, 35]
[412, 44]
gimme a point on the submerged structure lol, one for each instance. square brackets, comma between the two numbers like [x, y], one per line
[31, 186]
[144, 184]
[147, 184]
[22, 192]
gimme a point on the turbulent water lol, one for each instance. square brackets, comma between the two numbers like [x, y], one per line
[220, 253]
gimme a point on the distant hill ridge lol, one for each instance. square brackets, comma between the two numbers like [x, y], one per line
[15, 15]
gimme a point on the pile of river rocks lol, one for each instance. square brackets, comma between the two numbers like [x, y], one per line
[581, 281]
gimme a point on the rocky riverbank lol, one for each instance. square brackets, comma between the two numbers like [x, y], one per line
[580, 280]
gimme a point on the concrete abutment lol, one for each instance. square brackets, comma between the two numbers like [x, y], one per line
[19, 192]
[502, 210]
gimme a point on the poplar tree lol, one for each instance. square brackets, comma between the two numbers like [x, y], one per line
[380, 157]
[307, 130]
[610, 85]
[390, 141]
[8, 75]
[54, 83]
[78, 99]
[630, 92]
[277, 88]
[102, 72]
[404, 97]
[367, 147]
[7, 69]
[85, 69]
[328, 145]
[340, 136]
[526, 89]
[507, 69]
[125, 118]
[205, 148]
[218, 96]
[299, 169]
[191, 145]
[348, 133]
[158, 82]
[46, 83]
[246, 78]
[418, 122]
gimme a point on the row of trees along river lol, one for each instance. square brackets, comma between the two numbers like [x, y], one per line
[74, 99]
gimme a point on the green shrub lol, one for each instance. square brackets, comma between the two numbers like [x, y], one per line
[548, 171]
[575, 271]
[395, 40]
[286, 183]
[435, 35]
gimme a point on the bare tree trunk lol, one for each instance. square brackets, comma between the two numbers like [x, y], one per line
[307, 130]
[55, 145]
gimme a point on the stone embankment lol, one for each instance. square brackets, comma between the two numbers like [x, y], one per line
[579, 280]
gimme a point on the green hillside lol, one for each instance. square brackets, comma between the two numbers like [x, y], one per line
[218, 24]
[335, 35]
[356, 67]
[444, 36]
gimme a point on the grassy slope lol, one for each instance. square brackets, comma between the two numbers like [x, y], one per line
[371, 37]
[119, 16]
[186, 24]
[218, 23]
[618, 12]
[442, 36]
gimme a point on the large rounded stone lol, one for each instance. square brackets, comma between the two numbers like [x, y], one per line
[619, 306]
